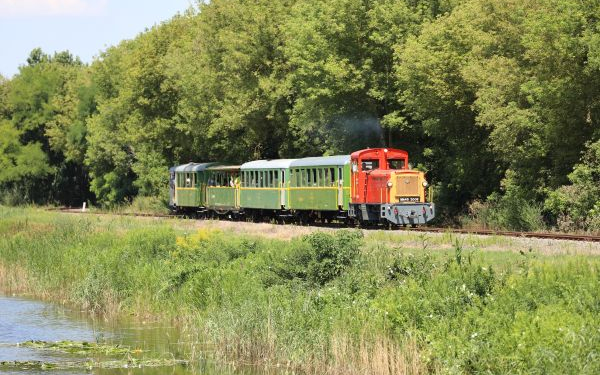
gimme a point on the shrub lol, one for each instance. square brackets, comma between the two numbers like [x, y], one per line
[505, 212]
[317, 259]
[577, 206]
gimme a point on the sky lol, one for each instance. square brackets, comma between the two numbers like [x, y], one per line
[84, 27]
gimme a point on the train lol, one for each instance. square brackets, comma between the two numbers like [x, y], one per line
[374, 186]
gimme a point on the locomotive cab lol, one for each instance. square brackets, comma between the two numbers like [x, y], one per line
[385, 190]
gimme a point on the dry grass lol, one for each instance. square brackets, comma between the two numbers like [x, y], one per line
[380, 356]
[15, 280]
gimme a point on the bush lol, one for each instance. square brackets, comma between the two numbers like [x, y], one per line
[319, 258]
[505, 213]
[577, 206]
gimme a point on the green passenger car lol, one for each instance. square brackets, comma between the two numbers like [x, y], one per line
[222, 191]
[320, 183]
[190, 182]
[264, 184]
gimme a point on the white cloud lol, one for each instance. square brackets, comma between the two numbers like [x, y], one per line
[26, 8]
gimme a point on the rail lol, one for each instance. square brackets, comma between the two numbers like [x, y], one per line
[482, 232]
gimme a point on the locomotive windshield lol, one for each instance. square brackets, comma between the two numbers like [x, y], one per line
[369, 165]
[396, 164]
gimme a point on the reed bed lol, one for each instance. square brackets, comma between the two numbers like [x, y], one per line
[333, 302]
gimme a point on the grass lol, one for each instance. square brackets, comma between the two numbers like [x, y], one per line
[334, 302]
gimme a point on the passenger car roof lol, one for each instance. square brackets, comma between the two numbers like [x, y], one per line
[267, 164]
[322, 161]
[193, 167]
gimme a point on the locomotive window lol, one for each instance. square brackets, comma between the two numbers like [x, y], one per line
[314, 174]
[396, 164]
[340, 176]
[276, 178]
[271, 182]
[332, 176]
[369, 165]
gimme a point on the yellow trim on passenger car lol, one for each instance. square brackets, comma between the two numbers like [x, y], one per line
[312, 188]
[249, 188]
[317, 187]
[181, 188]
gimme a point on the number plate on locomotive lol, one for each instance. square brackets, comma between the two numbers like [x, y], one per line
[409, 199]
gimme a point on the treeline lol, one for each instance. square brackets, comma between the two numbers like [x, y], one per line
[498, 100]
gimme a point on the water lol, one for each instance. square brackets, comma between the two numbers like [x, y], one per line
[24, 319]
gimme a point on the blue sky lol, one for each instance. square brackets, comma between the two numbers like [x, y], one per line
[84, 27]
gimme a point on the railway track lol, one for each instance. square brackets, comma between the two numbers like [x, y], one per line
[483, 232]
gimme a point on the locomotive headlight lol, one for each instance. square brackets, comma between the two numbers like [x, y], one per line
[389, 184]
[425, 183]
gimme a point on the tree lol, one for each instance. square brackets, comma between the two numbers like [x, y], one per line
[504, 87]
[135, 129]
[35, 104]
[341, 58]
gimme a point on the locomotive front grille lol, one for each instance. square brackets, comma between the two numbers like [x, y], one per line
[407, 186]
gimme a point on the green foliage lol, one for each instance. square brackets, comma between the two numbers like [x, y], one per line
[469, 311]
[19, 161]
[495, 99]
[318, 259]
[513, 210]
[43, 122]
[577, 206]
